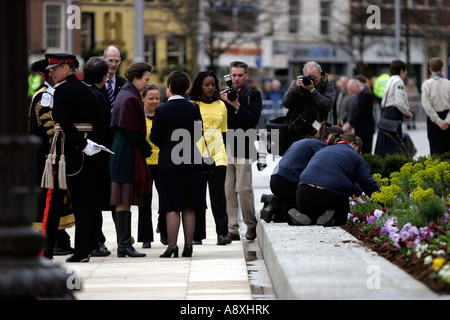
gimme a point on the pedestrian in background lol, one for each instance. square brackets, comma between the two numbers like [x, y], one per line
[130, 176]
[361, 120]
[394, 107]
[176, 129]
[151, 98]
[343, 102]
[205, 92]
[436, 103]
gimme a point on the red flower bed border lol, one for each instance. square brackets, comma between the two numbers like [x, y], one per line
[411, 264]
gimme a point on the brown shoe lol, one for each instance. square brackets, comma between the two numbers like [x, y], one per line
[233, 237]
[251, 234]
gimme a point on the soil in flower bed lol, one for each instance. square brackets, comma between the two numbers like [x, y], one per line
[410, 263]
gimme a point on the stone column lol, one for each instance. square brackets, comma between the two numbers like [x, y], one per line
[23, 273]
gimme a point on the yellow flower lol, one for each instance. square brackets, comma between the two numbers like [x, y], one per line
[422, 195]
[437, 263]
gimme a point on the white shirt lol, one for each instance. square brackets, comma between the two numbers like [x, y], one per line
[436, 98]
[395, 95]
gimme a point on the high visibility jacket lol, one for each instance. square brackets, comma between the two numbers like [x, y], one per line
[379, 84]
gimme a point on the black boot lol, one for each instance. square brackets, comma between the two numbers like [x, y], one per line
[123, 227]
[270, 208]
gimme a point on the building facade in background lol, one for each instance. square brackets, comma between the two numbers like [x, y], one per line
[275, 38]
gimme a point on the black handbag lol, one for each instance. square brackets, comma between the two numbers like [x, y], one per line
[388, 124]
[209, 165]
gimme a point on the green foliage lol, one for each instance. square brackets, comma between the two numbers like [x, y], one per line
[391, 163]
[415, 193]
[375, 162]
[432, 209]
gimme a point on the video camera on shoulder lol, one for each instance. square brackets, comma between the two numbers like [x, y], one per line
[307, 79]
[232, 93]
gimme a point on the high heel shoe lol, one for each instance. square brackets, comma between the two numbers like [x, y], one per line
[169, 251]
[187, 251]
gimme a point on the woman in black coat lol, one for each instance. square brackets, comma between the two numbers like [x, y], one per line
[176, 128]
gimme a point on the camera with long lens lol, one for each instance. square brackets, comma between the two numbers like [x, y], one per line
[230, 90]
[308, 79]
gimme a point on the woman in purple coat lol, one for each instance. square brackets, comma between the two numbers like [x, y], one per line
[130, 176]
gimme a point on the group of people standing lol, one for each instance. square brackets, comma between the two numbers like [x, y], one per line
[313, 181]
[165, 143]
[147, 141]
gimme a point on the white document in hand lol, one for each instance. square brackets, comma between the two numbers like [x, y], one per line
[101, 147]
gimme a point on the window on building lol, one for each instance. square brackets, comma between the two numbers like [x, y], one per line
[176, 52]
[87, 31]
[325, 17]
[240, 16]
[53, 26]
[294, 14]
[150, 51]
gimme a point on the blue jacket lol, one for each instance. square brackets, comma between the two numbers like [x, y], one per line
[338, 169]
[296, 158]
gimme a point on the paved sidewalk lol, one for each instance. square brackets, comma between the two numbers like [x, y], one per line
[213, 272]
[302, 262]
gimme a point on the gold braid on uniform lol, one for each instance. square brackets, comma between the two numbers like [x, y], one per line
[49, 124]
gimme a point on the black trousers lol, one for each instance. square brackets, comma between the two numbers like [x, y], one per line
[439, 140]
[82, 192]
[367, 143]
[216, 183]
[145, 224]
[286, 192]
[314, 202]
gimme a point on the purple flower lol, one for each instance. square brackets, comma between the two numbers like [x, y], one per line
[371, 219]
[389, 227]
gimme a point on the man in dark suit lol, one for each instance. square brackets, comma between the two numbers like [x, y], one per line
[114, 82]
[95, 71]
[360, 117]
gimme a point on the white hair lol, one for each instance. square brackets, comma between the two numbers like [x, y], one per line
[312, 64]
[354, 82]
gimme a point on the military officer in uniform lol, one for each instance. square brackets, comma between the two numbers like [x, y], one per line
[79, 123]
[57, 213]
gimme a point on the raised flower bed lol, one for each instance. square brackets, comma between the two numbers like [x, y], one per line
[408, 222]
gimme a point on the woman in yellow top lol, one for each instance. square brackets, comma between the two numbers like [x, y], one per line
[205, 92]
[151, 98]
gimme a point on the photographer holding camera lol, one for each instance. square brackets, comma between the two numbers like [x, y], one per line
[244, 110]
[309, 99]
